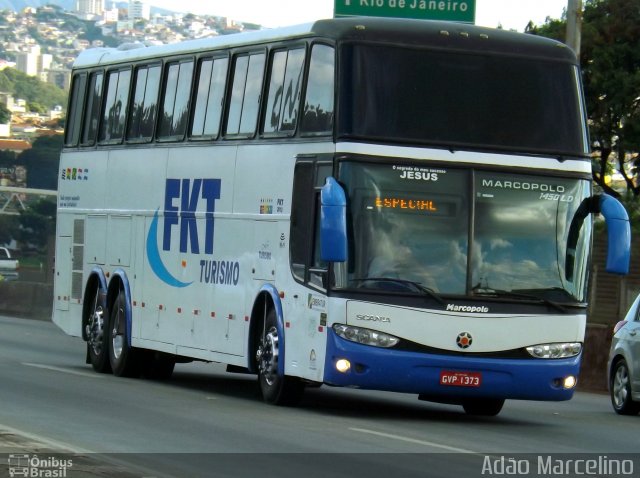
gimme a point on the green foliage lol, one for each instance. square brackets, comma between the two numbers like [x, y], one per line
[42, 162]
[31, 89]
[610, 60]
[9, 228]
[36, 108]
[8, 159]
[38, 222]
[5, 114]
[611, 66]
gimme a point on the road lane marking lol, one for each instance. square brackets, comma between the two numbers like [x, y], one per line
[63, 370]
[416, 441]
[40, 440]
[100, 458]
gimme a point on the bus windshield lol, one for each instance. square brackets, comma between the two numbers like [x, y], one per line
[457, 100]
[422, 225]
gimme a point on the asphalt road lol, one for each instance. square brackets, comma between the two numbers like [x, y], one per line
[205, 422]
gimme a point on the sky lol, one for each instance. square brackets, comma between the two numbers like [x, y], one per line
[511, 14]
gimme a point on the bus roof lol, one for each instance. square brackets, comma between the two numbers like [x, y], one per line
[426, 33]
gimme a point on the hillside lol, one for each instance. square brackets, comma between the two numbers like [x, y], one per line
[18, 5]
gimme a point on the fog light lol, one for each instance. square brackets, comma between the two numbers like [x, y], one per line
[343, 365]
[569, 382]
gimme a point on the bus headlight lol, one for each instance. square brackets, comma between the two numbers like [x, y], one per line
[365, 336]
[555, 351]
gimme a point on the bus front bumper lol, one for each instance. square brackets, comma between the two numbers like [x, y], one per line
[376, 368]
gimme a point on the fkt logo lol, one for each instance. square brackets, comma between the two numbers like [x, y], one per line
[181, 200]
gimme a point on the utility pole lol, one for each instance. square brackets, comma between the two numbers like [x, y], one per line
[574, 25]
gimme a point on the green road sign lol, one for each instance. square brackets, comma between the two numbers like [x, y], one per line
[451, 10]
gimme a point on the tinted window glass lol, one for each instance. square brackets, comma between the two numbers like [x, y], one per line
[450, 98]
[92, 112]
[115, 108]
[301, 218]
[281, 113]
[237, 94]
[245, 95]
[208, 106]
[274, 99]
[74, 121]
[174, 115]
[524, 234]
[318, 104]
[252, 91]
[145, 101]
[408, 224]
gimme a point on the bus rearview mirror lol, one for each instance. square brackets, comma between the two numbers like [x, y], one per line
[618, 235]
[333, 222]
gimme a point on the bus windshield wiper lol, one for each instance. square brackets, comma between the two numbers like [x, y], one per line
[416, 285]
[479, 290]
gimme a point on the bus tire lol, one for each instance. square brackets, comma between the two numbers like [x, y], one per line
[96, 334]
[276, 389]
[620, 389]
[483, 407]
[122, 357]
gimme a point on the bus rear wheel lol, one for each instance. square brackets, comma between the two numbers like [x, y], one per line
[483, 407]
[275, 388]
[96, 333]
[122, 357]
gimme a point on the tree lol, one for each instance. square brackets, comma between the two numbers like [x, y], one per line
[9, 228]
[37, 223]
[610, 60]
[5, 114]
[31, 89]
[42, 162]
[36, 107]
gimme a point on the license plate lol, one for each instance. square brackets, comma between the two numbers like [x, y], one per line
[460, 379]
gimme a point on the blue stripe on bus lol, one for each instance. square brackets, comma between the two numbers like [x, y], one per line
[277, 303]
[377, 368]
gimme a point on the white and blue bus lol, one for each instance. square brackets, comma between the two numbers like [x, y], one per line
[373, 203]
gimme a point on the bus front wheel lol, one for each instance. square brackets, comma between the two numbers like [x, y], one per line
[275, 388]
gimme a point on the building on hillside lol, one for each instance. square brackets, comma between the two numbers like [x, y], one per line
[90, 7]
[27, 61]
[111, 15]
[59, 77]
[139, 10]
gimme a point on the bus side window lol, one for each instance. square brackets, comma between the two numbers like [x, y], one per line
[301, 219]
[115, 107]
[306, 265]
[319, 268]
[175, 108]
[76, 103]
[245, 95]
[207, 113]
[144, 104]
[92, 111]
[281, 112]
[319, 98]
